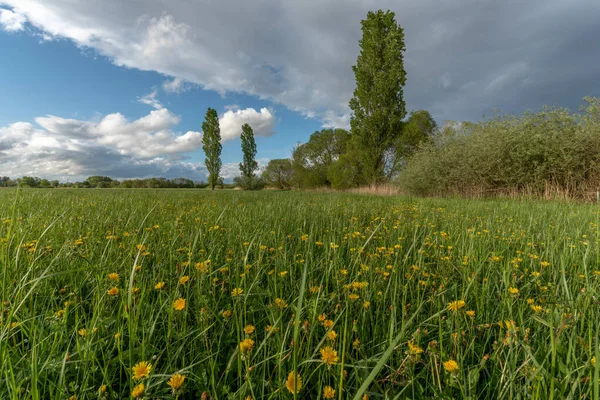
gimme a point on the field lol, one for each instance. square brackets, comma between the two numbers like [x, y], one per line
[231, 295]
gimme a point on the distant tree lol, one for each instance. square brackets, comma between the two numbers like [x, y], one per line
[419, 129]
[279, 173]
[249, 164]
[98, 181]
[312, 160]
[378, 106]
[30, 181]
[211, 140]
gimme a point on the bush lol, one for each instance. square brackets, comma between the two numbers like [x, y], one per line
[249, 183]
[552, 150]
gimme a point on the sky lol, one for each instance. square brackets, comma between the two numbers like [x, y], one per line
[120, 87]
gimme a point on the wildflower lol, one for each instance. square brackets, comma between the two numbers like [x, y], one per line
[102, 389]
[331, 335]
[160, 285]
[456, 305]
[328, 392]
[135, 290]
[246, 346]
[175, 382]
[249, 329]
[537, 308]
[513, 290]
[179, 304]
[138, 391]
[236, 292]
[113, 276]
[328, 323]
[530, 301]
[280, 303]
[184, 279]
[414, 349]
[226, 313]
[82, 332]
[141, 370]
[356, 343]
[366, 305]
[322, 317]
[293, 383]
[451, 366]
[329, 355]
[470, 313]
[354, 296]
[113, 291]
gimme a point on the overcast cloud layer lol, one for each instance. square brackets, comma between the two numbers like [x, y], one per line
[463, 58]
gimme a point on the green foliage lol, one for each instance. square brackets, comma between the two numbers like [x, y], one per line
[249, 164]
[312, 160]
[249, 182]
[551, 151]
[378, 106]
[279, 173]
[211, 144]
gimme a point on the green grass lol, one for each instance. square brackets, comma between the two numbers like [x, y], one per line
[296, 256]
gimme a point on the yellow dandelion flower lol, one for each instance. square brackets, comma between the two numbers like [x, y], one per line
[179, 304]
[82, 332]
[246, 346]
[280, 303]
[366, 305]
[113, 276]
[328, 392]
[456, 305]
[175, 382]
[470, 313]
[328, 323]
[226, 313]
[183, 280]
[331, 335]
[537, 308]
[138, 391]
[113, 291]
[237, 291]
[160, 285]
[249, 329]
[141, 370]
[329, 355]
[322, 317]
[414, 348]
[451, 366]
[513, 290]
[293, 383]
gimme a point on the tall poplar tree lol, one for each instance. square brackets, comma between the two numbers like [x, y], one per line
[378, 106]
[211, 144]
[249, 164]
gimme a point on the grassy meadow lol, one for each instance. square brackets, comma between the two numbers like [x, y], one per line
[190, 294]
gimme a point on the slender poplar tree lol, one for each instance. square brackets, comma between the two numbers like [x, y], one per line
[378, 106]
[249, 164]
[211, 144]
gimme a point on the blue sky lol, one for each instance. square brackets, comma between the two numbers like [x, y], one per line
[60, 79]
[120, 87]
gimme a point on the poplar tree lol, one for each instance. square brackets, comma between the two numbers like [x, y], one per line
[249, 164]
[211, 144]
[378, 106]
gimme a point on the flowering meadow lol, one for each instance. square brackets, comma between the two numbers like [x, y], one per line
[163, 294]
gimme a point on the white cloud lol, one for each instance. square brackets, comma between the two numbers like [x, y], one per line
[11, 21]
[115, 146]
[300, 53]
[262, 122]
[176, 85]
[151, 100]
